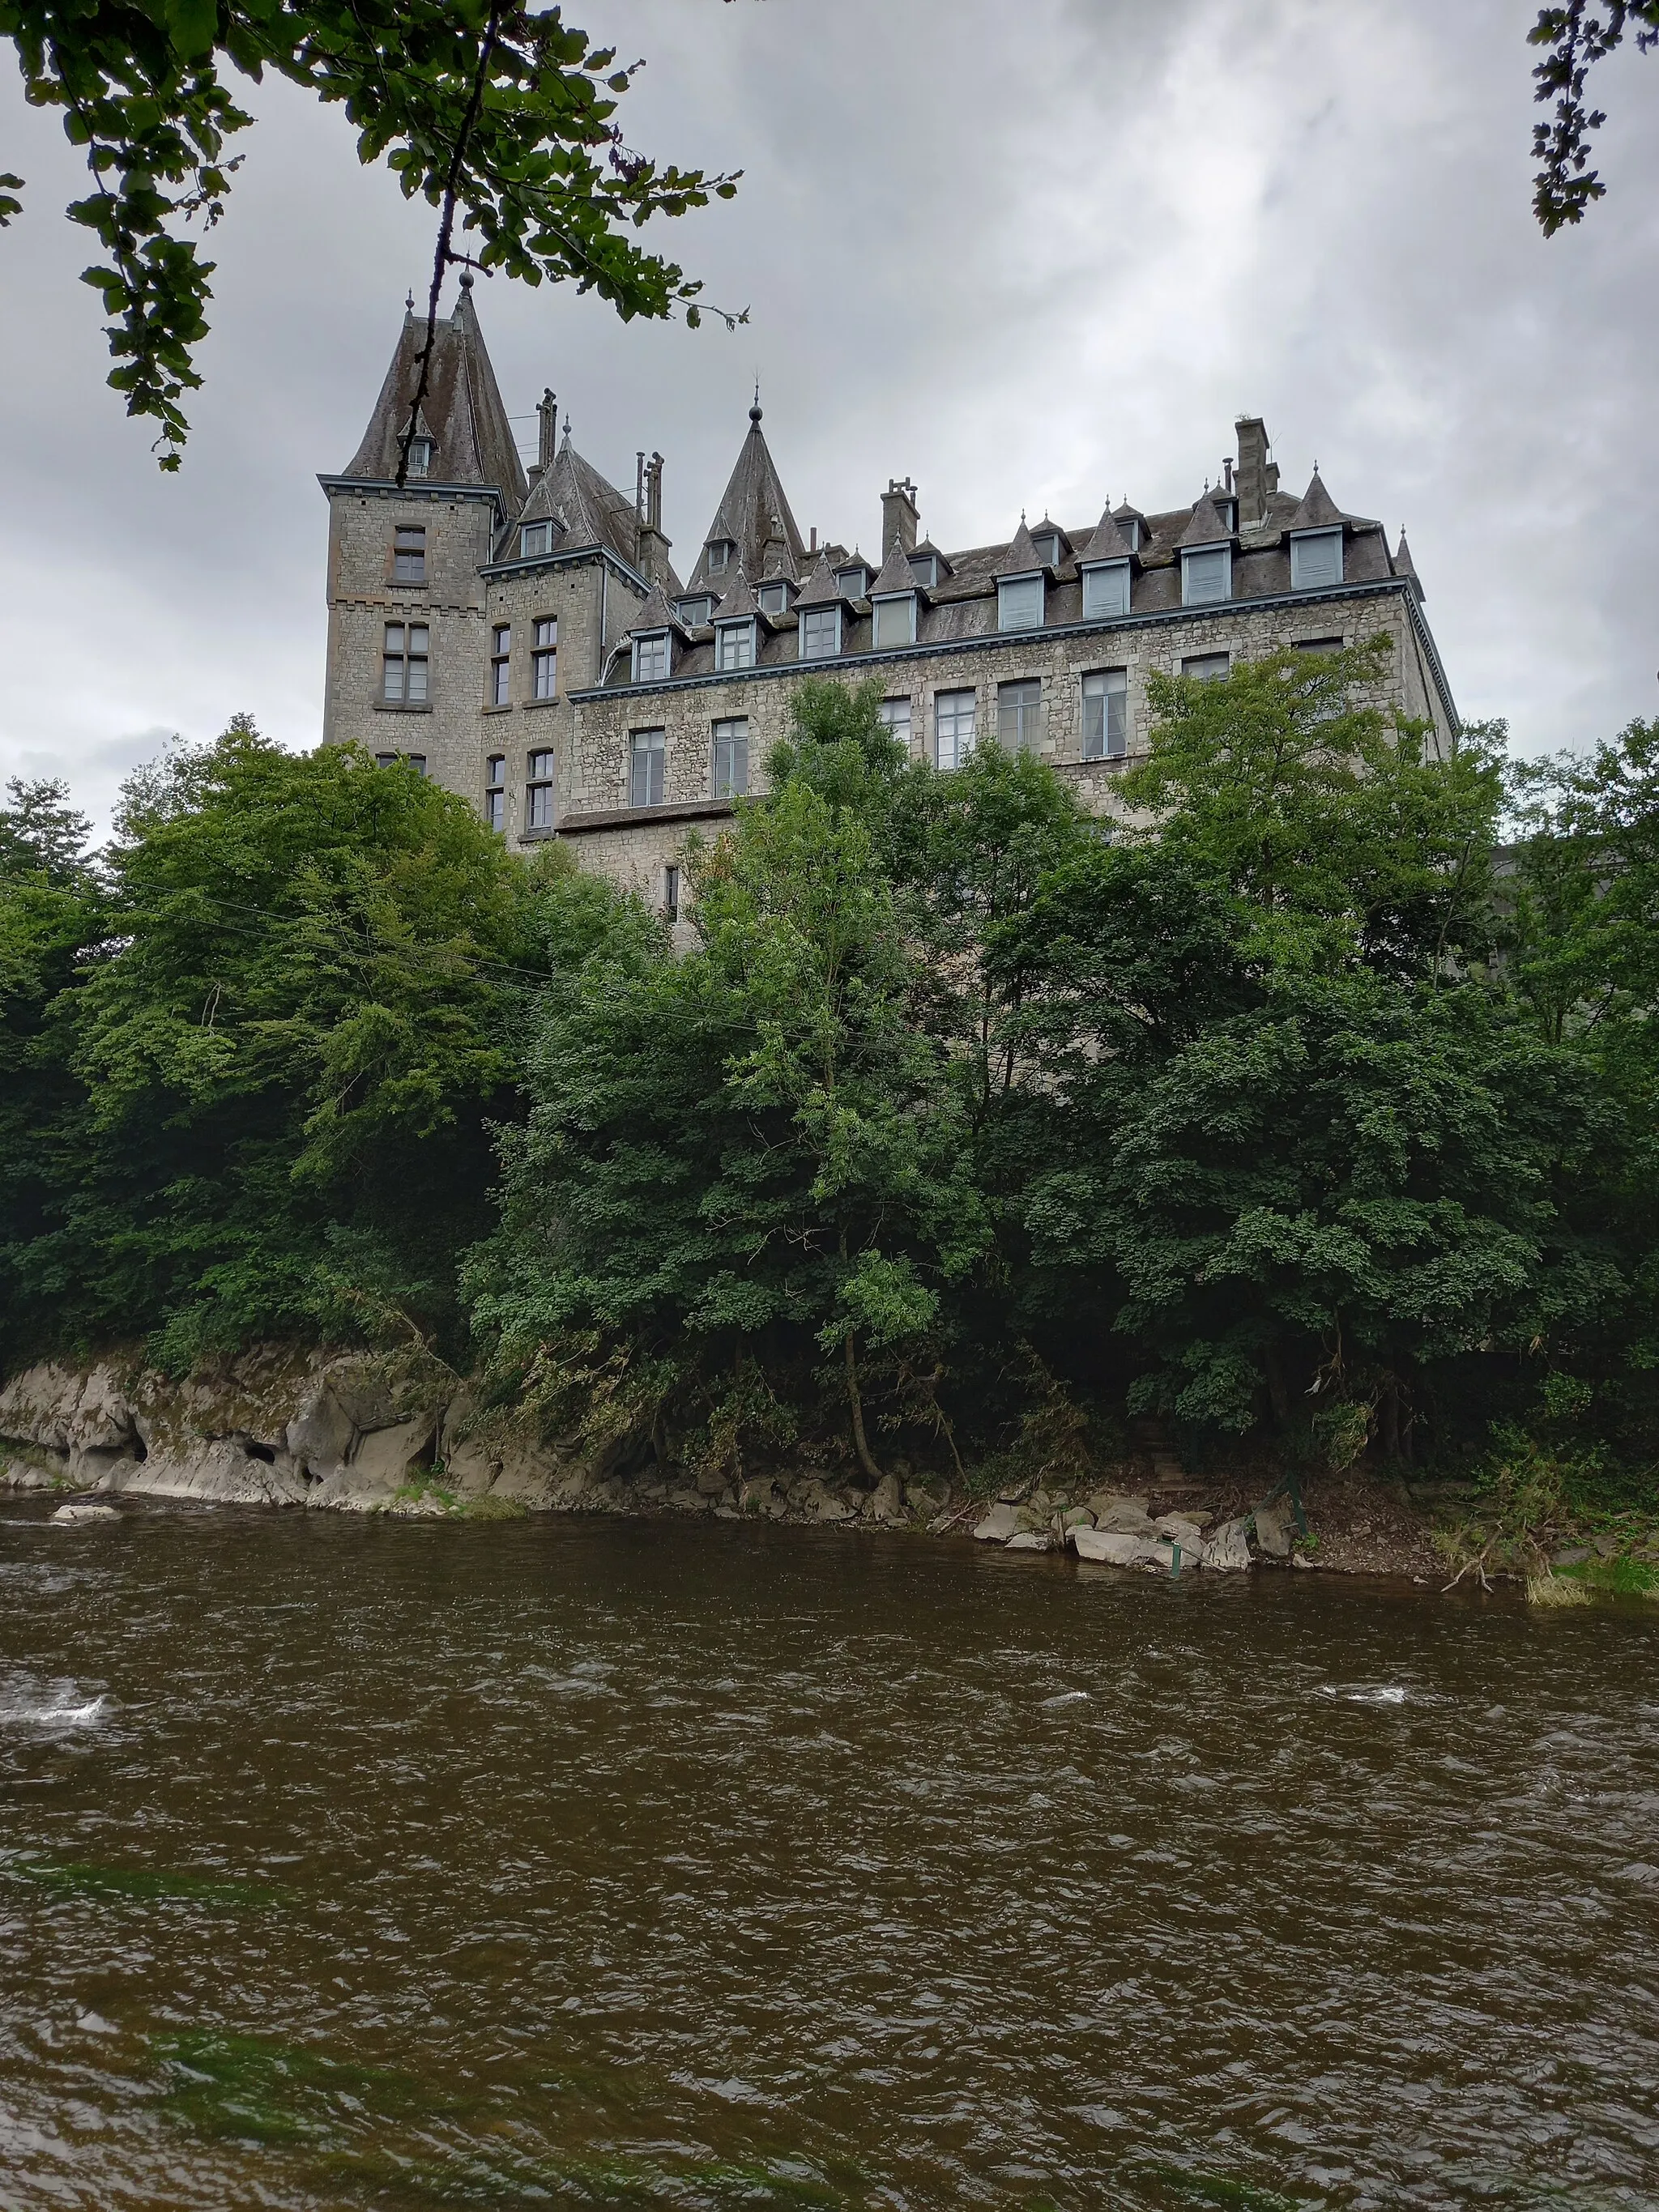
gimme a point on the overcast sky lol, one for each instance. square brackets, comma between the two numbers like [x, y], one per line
[1029, 256]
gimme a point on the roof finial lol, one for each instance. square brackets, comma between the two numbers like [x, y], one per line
[466, 280]
[754, 412]
[409, 303]
[566, 429]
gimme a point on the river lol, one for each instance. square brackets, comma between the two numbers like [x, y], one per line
[582, 1863]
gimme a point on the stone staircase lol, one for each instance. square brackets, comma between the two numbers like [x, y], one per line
[1152, 1438]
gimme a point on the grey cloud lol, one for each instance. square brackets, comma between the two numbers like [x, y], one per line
[1029, 257]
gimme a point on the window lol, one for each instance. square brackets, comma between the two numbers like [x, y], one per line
[1317, 644]
[496, 791]
[408, 554]
[647, 762]
[1207, 667]
[405, 663]
[953, 727]
[1207, 576]
[719, 553]
[385, 760]
[1316, 560]
[924, 567]
[820, 633]
[695, 612]
[1047, 543]
[894, 714]
[544, 658]
[501, 664]
[1019, 714]
[734, 644]
[1131, 528]
[535, 537]
[538, 793]
[420, 458]
[731, 759]
[775, 599]
[651, 658]
[417, 762]
[895, 620]
[670, 893]
[1106, 590]
[852, 582]
[1019, 603]
[1106, 714]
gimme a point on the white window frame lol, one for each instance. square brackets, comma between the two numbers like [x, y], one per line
[1193, 553]
[1108, 685]
[963, 742]
[734, 644]
[650, 648]
[924, 567]
[1105, 591]
[648, 755]
[539, 789]
[774, 598]
[894, 714]
[413, 553]
[696, 621]
[501, 664]
[544, 657]
[1015, 592]
[854, 581]
[670, 891]
[805, 615]
[878, 612]
[722, 547]
[732, 730]
[1050, 539]
[535, 538]
[420, 458]
[1196, 675]
[1028, 737]
[405, 668]
[495, 792]
[1305, 545]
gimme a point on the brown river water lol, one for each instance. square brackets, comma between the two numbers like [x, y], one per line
[567, 1862]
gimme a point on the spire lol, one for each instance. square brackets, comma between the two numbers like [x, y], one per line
[462, 412]
[585, 509]
[897, 573]
[1208, 526]
[738, 600]
[753, 510]
[1318, 511]
[1108, 544]
[822, 589]
[1405, 566]
[1021, 558]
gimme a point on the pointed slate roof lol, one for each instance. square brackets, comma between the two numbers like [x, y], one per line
[897, 575]
[738, 600]
[1022, 558]
[1405, 566]
[929, 546]
[588, 511]
[822, 589]
[1318, 511]
[753, 511]
[1108, 544]
[657, 614]
[1208, 526]
[1128, 513]
[462, 413]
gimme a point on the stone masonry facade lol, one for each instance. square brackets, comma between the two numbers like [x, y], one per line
[522, 637]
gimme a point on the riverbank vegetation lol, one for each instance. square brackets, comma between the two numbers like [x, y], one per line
[1313, 1116]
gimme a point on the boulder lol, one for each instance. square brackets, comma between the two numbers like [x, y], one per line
[318, 1437]
[211, 1471]
[828, 1507]
[1114, 1546]
[37, 1406]
[102, 1420]
[1076, 1516]
[359, 1387]
[1274, 1525]
[1180, 1528]
[1123, 1516]
[86, 1513]
[710, 1481]
[1228, 1549]
[1031, 1539]
[386, 1458]
[929, 1502]
[470, 1467]
[886, 1503]
[1001, 1522]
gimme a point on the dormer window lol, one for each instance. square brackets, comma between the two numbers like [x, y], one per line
[852, 582]
[697, 613]
[535, 537]
[924, 567]
[1316, 560]
[1131, 528]
[820, 633]
[1105, 591]
[1019, 603]
[720, 553]
[895, 619]
[651, 657]
[734, 644]
[1227, 509]
[1047, 543]
[1206, 575]
[420, 458]
[774, 598]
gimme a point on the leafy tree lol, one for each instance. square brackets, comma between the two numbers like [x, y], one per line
[501, 114]
[1576, 37]
[744, 1175]
[283, 1055]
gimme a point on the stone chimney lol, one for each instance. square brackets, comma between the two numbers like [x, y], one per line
[1254, 471]
[900, 519]
[652, 546]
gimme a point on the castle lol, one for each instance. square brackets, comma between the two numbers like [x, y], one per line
[525, 639]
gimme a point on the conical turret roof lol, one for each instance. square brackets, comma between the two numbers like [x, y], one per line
[1209, 525]
[897, 575]
[1022, 556]
[1318, 511]
[1405, 566]
[738, 600]
[462, 412]
[657, 613]
[1108, 544]
[586, 509]
[822, 589]
[753, 512]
